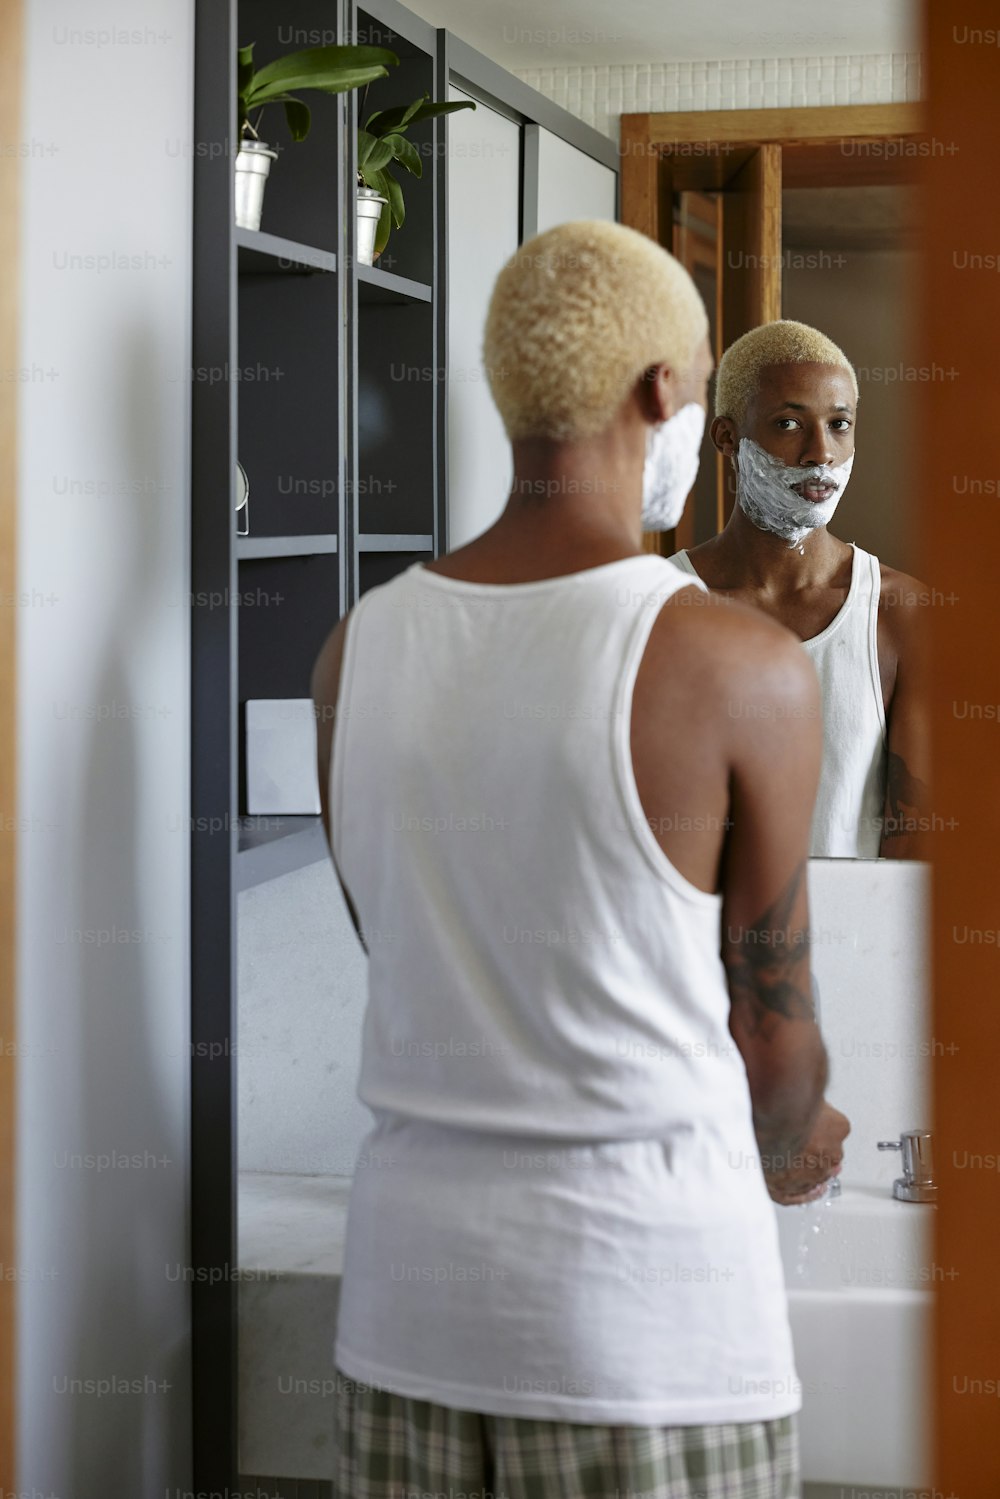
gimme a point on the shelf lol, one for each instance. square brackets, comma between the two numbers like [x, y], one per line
[258, 548]
[377, 286]
[371, 541]
[289, 397]
[270, 846]
[270, 255]
[288, 606]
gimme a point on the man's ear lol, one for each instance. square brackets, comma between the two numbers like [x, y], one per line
[660, 390]
[723, 434]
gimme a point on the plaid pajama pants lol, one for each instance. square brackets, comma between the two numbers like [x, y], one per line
[391, 1446]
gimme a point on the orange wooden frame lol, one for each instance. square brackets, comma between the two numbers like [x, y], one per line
[960, 542]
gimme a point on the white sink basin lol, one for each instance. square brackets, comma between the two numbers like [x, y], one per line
[859, 1274]
[863, 1240]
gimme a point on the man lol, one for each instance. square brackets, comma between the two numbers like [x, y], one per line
[561, 1265]
[785, 414]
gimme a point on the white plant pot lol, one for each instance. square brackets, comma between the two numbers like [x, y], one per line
[369, 211]
[253, 162]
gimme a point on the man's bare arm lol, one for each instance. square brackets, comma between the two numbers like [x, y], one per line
[769, 978]
[907, 811]
[774, 772]
[324, 685]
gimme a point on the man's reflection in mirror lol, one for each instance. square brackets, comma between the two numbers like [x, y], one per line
[786, 412]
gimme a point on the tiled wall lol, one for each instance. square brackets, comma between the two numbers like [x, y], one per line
[600, 94]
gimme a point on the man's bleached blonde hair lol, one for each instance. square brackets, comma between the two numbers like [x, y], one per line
[576, 316]
[782, 342]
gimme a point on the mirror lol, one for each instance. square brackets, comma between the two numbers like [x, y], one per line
[303, 978]
[816, 224]
[849, 268]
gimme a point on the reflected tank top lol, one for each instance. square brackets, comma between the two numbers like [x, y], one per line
[850, 800]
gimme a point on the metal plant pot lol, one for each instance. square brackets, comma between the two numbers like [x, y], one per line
[369, 210]
[242, 501]
[253, 162]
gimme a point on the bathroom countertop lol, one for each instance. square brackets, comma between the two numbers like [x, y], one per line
[292, 1224]
[291, 1253]
[856, 1271]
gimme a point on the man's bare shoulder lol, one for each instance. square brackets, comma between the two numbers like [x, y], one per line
[714, 624]
[902, 601]
[731, 648]
[903, 589]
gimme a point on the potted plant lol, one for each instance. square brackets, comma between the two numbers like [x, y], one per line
[382, 140]
[330, 70]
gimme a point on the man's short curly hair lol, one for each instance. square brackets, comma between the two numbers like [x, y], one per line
[781, 342]
[576, 316]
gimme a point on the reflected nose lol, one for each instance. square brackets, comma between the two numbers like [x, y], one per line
[817, 448]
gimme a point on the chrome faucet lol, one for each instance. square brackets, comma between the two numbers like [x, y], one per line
[917, 1182]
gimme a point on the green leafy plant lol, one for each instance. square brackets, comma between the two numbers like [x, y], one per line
[382, 140]
[331, 70]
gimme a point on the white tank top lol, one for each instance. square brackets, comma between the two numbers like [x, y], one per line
[559, 1212]
[850, 801]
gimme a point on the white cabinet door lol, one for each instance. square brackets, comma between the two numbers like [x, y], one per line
[562, 183]
[484, 190]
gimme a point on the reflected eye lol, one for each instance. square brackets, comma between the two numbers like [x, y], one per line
[842, 423]
[789, 419]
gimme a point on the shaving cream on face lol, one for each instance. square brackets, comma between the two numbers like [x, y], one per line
[765, 493]
[673, 452]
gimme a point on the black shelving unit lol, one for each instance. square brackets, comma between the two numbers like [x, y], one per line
[338, 405]
[378, 287]
[258, 253]
[397, 480]
[304, 368]
[326, 380]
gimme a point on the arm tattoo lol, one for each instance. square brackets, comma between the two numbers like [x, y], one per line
[905, 798]
[768, 965]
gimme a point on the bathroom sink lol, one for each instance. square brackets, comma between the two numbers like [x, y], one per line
[859, 1275]
[861, 1240]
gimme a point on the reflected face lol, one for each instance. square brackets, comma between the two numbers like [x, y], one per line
[804, 414]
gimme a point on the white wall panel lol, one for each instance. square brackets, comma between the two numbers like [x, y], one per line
[562, 183]
[104, 682]
[483, 222]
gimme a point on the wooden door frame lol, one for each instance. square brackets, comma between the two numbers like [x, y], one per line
[704, 148]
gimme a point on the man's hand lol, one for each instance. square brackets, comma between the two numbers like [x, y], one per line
[801, 1175]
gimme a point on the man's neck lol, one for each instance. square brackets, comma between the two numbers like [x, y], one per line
[566, 511]
[743, 557]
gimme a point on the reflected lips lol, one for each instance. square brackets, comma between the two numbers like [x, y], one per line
[815, 489]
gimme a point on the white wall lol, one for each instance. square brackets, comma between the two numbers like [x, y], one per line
[484, 209]
[484, 195]
[571, 185]
[103, 681]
